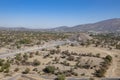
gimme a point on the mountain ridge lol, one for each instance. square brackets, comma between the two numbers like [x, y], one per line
[109, 25]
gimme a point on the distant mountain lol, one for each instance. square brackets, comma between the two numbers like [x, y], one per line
[110, 25]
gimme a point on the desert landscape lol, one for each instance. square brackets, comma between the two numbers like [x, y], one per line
[51, 56]
[59, 39]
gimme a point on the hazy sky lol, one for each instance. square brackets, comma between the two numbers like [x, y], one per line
[53, 13]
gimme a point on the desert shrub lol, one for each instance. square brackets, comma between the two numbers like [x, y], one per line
[71, 44]
[35, 69]
[37, 53]
[16, 69]
[100, 72]
[36, 62]
[31, 55]
[91, 78]
[83, 74]
[118, 46]
[104, 66]
[52, 52]
[18, 57]
[109, 58]
[75, 74]
[57, 46]
[70, 58]
[6, 65]
[25, 56]
[6, 70]
[60, 77]
[27, 70]
[82, 44]
[1, 62]
[65, 63]
[49, 69]
[86, 66]
[98, 55]
[24, 41]
[1, 69]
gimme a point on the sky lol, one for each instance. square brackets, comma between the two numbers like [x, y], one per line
[54, 13]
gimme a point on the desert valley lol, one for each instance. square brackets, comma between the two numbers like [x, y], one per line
[36, 55]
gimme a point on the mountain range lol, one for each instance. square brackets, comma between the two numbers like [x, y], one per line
[109, 25]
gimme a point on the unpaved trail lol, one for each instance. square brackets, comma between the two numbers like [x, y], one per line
[48, 45]
[111, 71]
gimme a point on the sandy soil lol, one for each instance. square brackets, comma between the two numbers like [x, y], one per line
[113, 71]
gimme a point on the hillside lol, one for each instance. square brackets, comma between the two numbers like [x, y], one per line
[110, 25]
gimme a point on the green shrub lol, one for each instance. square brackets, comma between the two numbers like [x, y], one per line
[109, 58]
[100, 72]
[60, 77]
[6, 71]
[49, 69]
[1, 69]
[1, 62]
[36, 62]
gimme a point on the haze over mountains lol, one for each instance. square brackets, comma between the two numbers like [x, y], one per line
[110, 25]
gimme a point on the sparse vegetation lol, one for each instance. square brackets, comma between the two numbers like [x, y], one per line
[73, 59]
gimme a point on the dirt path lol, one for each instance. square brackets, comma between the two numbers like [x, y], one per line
[51, 44]
[112, 68]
